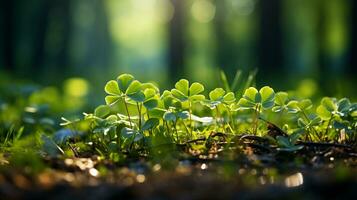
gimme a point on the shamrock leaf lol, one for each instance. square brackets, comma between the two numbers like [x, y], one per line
[252, 98]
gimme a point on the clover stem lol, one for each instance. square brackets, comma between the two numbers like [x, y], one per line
[232, 125]
[167, 127]
[148, 115]
[139, 113]
[256, 116]
[177, 137]
[127, 112]
[190, 112]
[185, 126]
[219, 116]
[328, 124]
[308, 121]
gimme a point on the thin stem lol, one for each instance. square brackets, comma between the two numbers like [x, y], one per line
[185, 126]
[328, 124]
[148, 115]
[177, 137]
[308, 121]
[139, 113]
[256, 116]
[190, 112]
[167, 127]
[127, 112]
[219, 116]
[232, 125]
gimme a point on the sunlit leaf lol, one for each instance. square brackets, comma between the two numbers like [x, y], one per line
[267, 97]
[102, 111]
[112, 88]
[217, 94]
[281, 98]
[124, 81]
[179, 95]
[150, 124]
[250, 94]
[196, 88]
[110, 100]
[169, 116]
[134, 87]
[137, 97]
[151, 104]
[183, 86]
[229, 98]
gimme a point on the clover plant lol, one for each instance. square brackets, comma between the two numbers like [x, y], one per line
[185, 92]
[218, 97]
[257, 101]
[169, 115]
[335, 112]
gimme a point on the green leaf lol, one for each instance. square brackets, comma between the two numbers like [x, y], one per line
[149, 93]
[169, 116]
[196, 88]
[150, 124]
[277, 108]
[217, 94]
[245, 104]
[283, 141]
[315, 121]
[134, 87]
[112, 88]
[267, 97]
[258, 98]
[179, 95]
[131, 134]
[197, 97]
[151, 104]
[295, 136]
[182, 86]
[305, 104]
[323, 112]
[229, 98]
[102, 111]
[110, 100]
[281, 98]
[293, 107]
[137, 97]
[124, 81]
[183, 114]
[344, 105]
[112, 118]
[329, 104]
[145, 86]
[302, 122]
[250, 94]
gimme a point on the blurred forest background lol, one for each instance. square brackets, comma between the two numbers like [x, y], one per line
[290, 42]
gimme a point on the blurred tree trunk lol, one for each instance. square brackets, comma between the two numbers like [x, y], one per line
[63, 53]
[352, 67]
[7, 29]
[176, 41]
[226, 52]
[38, 44]
[324, 74]
[270, 38]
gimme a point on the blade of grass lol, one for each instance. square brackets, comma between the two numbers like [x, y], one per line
[224, 81]
[236, 80]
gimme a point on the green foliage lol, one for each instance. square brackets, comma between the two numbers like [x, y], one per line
[252, 99]
[171, 114]
[185, 92]
[137, 117]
